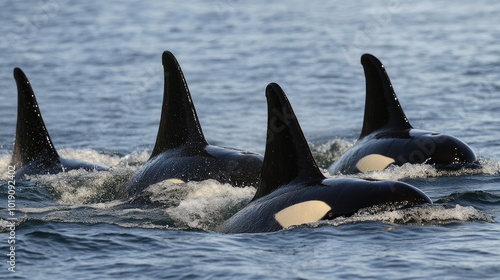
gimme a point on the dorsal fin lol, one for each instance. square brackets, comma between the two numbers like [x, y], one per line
[288, 157]
[179, 124]
[382, 108]
[32, 138]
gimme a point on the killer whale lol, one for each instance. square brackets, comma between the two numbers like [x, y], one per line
[293, 191]
[34, 153]
[387, 137]
[181, 153]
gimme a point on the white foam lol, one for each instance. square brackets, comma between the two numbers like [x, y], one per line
[135, 158]
[40, 210]
[330, 151]
[62, 207]
[90, 156]
[4, 163]
[401, 172]
[87, 155]
[489, 167]
[203, 205]
[428, 215]
[6, 225]
[84, 187]
[110, 160]
[200, 205]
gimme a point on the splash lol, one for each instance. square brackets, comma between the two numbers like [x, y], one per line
[9, 225]
[478, 198]
[4, 164]
[401, 172]
[427, 215]
[89, 155]
[114, 161]
[201, 205]
[83, 187]
[327, 153]
[89, 197]
[116, 212]
[415, 171]
[194, 205]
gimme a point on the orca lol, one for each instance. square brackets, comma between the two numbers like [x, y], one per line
[387, 137]
[293, 191]
[34, 153]
[181, 153]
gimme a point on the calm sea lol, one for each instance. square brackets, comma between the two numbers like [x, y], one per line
[96, 70]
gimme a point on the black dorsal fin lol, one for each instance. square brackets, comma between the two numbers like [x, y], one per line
[32, 138]
[382, 108]
[179, 124]
[288, 157]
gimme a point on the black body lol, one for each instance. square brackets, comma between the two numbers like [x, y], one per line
[290, 178]
[181, 151]
[34, 152]
[387, 132]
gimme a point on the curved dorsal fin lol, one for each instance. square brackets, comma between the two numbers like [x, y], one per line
[288, 157]
[32, 138]
[179, 124]
[382, 108]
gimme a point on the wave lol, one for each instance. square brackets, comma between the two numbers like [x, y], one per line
[194, 205]
[206, 213]
[90, 197]
[477, 198]
[84, 187]
[327, 153]
[424, 216]
[415, 171]
[205, 205]
[88, 155]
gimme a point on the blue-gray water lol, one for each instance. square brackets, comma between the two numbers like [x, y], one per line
[96, 70]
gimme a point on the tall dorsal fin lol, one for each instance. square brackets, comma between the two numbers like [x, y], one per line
[32, 138]
[288, 157]
[382, 108]
[179, 124]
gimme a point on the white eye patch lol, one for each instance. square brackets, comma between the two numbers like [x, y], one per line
[373, 162]
[302, 213]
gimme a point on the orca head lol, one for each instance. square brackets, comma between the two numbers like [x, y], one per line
[293, 190]
[354, 194]
[34, 153]
[344, 197]
[441, 150]
[387, 137]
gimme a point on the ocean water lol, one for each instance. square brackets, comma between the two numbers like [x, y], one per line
[96, 70]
